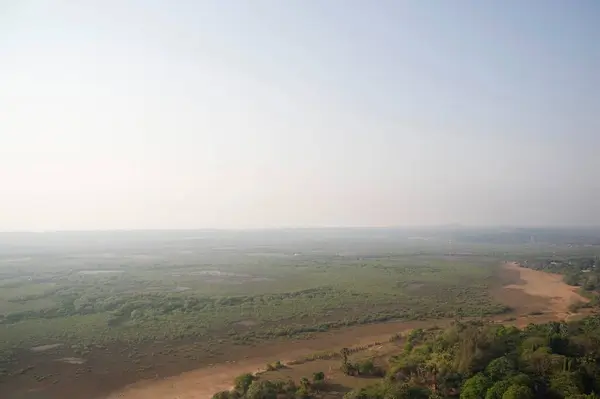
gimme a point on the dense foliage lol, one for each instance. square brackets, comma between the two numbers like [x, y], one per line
[471, 361]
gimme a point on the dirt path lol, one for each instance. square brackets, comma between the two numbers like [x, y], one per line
[553, 297]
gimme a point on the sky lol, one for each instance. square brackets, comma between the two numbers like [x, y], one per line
[152, 114]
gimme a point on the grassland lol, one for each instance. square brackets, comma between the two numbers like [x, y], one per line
[275, 300]
[89, 312]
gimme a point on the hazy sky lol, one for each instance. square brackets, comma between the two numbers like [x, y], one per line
[194, 114]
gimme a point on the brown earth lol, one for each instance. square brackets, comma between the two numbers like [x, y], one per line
[523, 289]
[537, 291]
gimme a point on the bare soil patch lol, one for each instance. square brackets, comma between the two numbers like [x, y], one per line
[540, 291]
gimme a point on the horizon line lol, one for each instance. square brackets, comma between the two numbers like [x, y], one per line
[332, 227]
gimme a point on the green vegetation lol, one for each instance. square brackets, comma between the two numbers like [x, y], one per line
[238, 295]
[361, 368]
[275, 366]
[137, 301]
[254, 388]
[471, 360]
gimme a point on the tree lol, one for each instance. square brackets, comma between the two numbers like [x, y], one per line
[571, 279]
[222, 395]
[499, 368]
[440, 362]
[304, 390]
[566, 384]
[289, 387]
[304, 383]
[347, 368]
[518, 392]
[475, 387]
[392, 390]
[319, 376]
[469, 340]
[366, 367]
[449, 383]
[242, 382]
[261, 390]
[345, 352]
[521, 379]
[590, 284]
[539, 361]
[497, 390]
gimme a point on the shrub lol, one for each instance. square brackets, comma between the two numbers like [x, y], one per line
[275, 366]
[243, 382]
